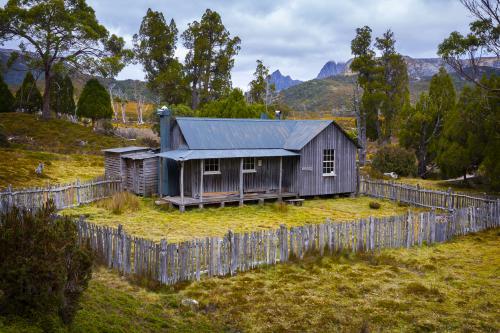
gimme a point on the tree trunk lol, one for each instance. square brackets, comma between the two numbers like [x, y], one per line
[362, 138]
[422, 162]
[46, 95]
[123, 112]
[194, 97]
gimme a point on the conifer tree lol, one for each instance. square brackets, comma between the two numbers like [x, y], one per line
[94, 102]
[28, 97]
[6, 97]
[61, 99]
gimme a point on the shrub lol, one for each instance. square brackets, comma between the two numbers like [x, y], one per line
[43, 270]
[120, 202]
[4, 142]
[395, 159]
[374, 205]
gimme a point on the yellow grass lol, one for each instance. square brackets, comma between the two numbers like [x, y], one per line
[155, 223]
[18, 168]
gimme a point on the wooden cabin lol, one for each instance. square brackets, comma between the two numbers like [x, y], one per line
[204, 160]
[113, 163]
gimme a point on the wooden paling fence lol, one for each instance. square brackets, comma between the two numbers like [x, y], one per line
[417, 196]
[63, 196]
[169, 263]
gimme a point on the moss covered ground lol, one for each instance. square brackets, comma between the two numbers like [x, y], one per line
[153, 222]
[450, 287]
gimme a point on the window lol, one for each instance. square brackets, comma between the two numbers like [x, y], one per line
[249, 164]
[211, 166]
[328, 162]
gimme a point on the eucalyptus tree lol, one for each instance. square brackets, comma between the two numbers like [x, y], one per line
[61, 32]
[210, 58]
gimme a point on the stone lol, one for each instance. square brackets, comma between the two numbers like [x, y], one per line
[190, 303]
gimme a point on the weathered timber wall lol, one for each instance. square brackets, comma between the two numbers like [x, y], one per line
[311, 179]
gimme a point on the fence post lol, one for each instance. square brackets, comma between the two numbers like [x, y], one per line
[283, 243]
[450, 199]
[78, 192]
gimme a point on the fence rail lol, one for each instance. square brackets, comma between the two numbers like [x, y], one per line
[417, 196]
[169, 263]
[63, 196]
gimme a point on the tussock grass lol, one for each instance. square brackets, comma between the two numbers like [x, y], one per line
[120, 203]
[389, 291]
[374, 205]
[155, 223]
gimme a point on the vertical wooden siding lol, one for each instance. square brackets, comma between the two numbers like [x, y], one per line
[266, 177]
[311, 179]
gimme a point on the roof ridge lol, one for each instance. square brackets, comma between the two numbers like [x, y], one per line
[253, 119]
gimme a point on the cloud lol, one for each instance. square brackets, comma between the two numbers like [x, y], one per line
[297, 36]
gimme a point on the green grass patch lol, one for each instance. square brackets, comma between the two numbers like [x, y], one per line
[153, 222]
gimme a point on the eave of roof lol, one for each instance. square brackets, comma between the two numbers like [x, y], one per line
[124, 149]
[198, 154]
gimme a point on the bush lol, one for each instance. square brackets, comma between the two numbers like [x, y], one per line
[43, 270]
[4, 142]
[120, 202]
[280, 207]
[395, 159]
[374, 205]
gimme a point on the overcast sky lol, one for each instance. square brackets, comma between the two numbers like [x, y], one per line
[296, 36]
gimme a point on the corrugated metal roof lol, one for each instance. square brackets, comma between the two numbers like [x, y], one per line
[140, 156]
[210, 133]
[185, 155]
[125, 149]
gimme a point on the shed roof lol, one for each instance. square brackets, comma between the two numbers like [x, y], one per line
[185, 154]
[125, 149]
[216, 133]
[140, 156]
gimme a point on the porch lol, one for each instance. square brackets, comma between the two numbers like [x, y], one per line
[223, 198]
[228, 176]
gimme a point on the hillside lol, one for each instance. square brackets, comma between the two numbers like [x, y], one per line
[68, 151]
[14, 76]
[334, 94]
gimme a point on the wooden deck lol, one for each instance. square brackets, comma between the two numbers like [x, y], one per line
[222, 199]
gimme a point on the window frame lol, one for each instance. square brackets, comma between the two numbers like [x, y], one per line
[254, 162]
[211, 172]
[328, 164]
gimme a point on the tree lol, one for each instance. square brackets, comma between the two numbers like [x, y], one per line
[6, 97]
[232, 106]
[61, 32]
[43, 269]
[259, 85]
[94, 102]
[421, 125]
[154, 48]
[28, 97]
[471, 137]
[62, 100]
[139, 100]
[210, 58]
[369, 74]
[464, 53]
[396, 83]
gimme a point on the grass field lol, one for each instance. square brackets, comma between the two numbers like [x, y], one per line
[155, 223]
[68, 151]
[450, 287]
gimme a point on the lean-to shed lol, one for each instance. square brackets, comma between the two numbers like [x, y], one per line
[113, 164]
[140, 173]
